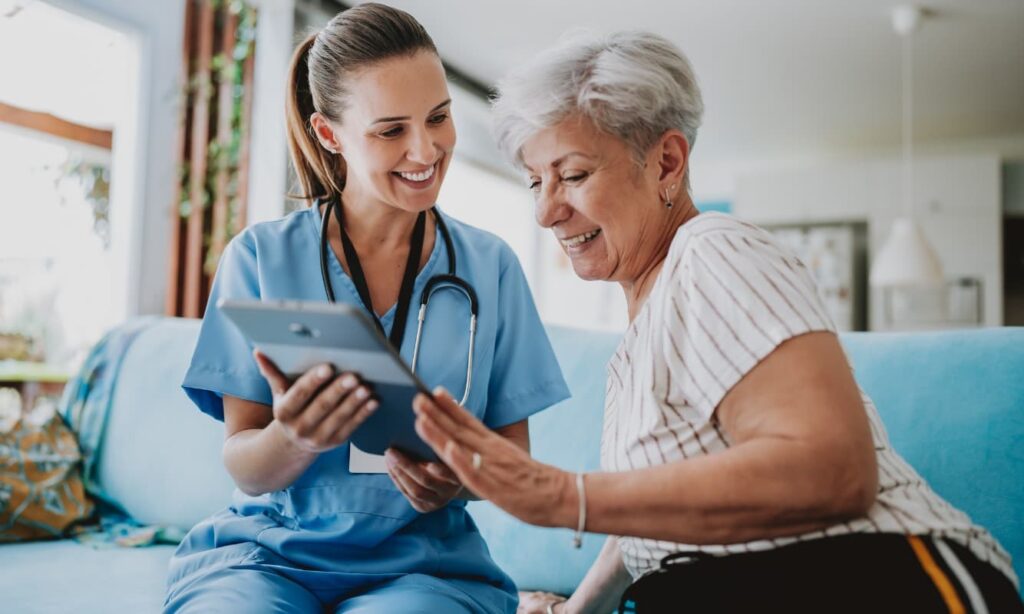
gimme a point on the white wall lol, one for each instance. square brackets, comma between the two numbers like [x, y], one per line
[957, 202]
[717, 178]
[268, 153]
[144, 166]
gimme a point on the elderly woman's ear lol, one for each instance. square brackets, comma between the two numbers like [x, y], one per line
[670, 159]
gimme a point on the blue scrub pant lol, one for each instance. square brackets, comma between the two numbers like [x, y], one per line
[451, 573]
[259, 591]
[242, 581]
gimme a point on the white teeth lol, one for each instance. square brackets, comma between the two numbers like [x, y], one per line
[581, 239]
[427, 174]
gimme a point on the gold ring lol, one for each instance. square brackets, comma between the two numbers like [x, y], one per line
[477, 460]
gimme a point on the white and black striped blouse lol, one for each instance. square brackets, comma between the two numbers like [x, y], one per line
[727, 296]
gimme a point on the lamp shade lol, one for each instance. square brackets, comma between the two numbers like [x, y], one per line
[906, 258]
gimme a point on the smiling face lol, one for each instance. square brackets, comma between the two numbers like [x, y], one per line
[396, 135]
[604, 209]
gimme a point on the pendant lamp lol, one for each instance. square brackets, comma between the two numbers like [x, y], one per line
[907, 259]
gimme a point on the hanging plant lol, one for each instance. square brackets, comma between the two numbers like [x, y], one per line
[223, 157]
[94, 181]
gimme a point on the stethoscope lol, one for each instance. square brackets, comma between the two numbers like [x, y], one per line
[435, 283]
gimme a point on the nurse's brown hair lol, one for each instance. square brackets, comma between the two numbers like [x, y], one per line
[318, 79]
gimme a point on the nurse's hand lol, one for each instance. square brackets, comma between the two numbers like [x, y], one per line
[536, 602]
[427, 486]
[319, 410]
[491, 466]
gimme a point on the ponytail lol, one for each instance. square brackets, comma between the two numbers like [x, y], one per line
[321, 174]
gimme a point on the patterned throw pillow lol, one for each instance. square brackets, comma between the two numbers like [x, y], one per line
[41, 490]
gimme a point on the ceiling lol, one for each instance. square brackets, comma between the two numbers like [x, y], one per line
[782, 78]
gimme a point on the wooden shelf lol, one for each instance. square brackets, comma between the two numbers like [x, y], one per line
[33, 380]
[20, 371]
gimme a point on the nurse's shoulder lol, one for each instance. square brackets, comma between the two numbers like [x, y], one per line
[296, 229]
[279, 240]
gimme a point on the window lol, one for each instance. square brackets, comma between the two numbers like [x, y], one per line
[58, 112]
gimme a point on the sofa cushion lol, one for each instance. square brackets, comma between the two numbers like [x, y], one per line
[953, 405]
[952, 402]
[161, 457]
[567, 436]
[65, 576]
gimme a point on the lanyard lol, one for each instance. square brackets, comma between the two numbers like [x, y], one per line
[412, 266]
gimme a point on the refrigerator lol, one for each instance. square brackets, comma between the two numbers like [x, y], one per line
[836, 255]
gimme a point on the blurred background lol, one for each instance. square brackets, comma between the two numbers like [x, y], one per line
[137, 137]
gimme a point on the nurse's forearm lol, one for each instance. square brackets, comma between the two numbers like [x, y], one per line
[264, 460]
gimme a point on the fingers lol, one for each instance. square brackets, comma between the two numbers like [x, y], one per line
[460, 461]
[455, 456]
[442, 473]
[278, 382]
[427, 486]
[429, 431]
[345, 387]
[452, 443]
[431, 476]
[414, 483]
[448, 406]
[537, 602]
[345, 422]
[328, 415]
[451, 418]
[422, 499]
[499, 477]
[298, 396]
[417, 504]
[318, 410]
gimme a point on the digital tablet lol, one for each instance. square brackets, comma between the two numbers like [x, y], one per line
[298, 335]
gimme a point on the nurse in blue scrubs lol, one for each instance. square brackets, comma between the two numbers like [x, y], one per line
[370, 130]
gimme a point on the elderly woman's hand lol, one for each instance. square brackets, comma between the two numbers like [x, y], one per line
[427, 486]
[493, 467]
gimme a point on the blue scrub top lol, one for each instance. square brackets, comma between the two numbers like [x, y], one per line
[359, 525]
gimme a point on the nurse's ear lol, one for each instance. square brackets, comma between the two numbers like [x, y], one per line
[325, 133]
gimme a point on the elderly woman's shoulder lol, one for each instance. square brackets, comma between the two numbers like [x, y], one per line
[720, 259]
[721, 236]
[716, 223]
[714, 227]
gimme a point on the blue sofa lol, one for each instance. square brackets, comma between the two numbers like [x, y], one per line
[953, 403]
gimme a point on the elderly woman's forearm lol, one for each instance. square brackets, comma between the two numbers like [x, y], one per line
[760, 489]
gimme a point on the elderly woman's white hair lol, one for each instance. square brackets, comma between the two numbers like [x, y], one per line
[632, 85]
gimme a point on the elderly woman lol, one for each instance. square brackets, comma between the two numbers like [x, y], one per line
[742, 466]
